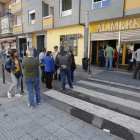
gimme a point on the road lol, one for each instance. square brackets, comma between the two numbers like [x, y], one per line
[104, 105]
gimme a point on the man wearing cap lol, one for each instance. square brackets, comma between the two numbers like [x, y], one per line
[54, 56]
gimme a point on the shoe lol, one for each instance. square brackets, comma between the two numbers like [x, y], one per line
[9, 95]
[134, 78]
[63, 90]
[18, 95]
[30, 106]
[38, 103]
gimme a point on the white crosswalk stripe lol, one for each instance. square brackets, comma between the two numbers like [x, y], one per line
[118, 90]
[118, 118]
[109, 98]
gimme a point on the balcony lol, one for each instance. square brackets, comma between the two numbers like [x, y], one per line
[48, 22]
[101, 4]
[5, 12]
[18, 29]
[16, 7]
[6, 31]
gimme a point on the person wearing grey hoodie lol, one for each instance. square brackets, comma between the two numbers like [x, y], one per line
[63, 61]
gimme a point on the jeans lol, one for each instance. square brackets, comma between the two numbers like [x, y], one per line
[43, 74]
[109, 59]
[100, 62]
[64, 73]
[16, 83]
[137, 69]
[130, 66]
[72, 75]
[31, 85]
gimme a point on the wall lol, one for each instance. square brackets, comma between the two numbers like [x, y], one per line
[132, 7]
[68, 20]
[1, 7]
[7, 4]
[115, 10]
[30, 5]
[53, 39]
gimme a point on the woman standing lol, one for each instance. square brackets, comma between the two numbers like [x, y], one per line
[14, 64]
[115, 56]
[130, 62]
[49, 69]
[100, 57]
[73, 65]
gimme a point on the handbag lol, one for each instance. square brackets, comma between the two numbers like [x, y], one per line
[18, 74]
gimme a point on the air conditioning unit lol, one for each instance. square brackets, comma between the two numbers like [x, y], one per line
[67, 13]
[32, 21]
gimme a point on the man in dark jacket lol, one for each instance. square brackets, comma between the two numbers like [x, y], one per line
[63, 61]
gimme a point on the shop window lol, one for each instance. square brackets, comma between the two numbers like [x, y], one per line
[129, 48]
[32, 17]
[65, 7]
[100, 3]
[70, 43]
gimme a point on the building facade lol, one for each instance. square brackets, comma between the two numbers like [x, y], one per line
[47, 23]
[7, 39]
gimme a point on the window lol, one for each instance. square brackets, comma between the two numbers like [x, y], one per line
[16, 1]
[65, 7]
[100, 3]
[70, 43]
[32, 17]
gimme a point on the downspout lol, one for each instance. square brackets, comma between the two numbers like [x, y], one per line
[80, 13]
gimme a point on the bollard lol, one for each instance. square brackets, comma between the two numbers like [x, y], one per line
[3, 74]
[22, 91]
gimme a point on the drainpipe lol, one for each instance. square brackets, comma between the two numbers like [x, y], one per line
[86, 35]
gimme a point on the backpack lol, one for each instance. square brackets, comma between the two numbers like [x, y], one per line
[7, 69]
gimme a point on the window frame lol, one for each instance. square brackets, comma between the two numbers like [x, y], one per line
[29, 14]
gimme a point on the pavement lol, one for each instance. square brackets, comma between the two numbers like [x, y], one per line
[118, 76]
[42, 123]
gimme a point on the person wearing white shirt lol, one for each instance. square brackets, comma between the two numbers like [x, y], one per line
[56, 51]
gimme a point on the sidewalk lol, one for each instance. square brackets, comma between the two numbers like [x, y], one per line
[42, 123]
[114, 76]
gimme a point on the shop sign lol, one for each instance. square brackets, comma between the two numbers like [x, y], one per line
[79, 36]
[28, 36]
[116, 25]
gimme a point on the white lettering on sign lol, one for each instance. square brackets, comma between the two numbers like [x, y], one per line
[119, 25]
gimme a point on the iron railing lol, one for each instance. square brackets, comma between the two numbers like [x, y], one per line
[5, 12]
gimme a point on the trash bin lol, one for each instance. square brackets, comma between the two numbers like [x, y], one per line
[85, 62]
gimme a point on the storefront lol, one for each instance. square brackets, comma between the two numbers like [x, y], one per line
[124, 35]
[72, 38]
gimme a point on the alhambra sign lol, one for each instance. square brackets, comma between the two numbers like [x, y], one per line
[116, 25]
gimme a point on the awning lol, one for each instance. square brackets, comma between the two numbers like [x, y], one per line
[8, 41]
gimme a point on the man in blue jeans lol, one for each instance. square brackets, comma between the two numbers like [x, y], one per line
[108, 54]
[31, 72]
[63, 61]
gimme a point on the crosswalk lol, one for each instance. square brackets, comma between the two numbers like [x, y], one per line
[127, 121]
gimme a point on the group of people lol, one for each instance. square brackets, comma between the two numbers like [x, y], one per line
[110, 55]
[49, 63]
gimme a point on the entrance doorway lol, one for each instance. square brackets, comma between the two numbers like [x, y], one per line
[40, 43]
[23, 47]
[137, 46]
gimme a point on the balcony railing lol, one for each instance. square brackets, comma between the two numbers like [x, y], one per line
[101, 4]
[5, 12]
[6, 31]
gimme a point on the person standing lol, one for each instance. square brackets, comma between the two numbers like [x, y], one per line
[35, 51]
[42, 66]
[108, 54]
[14, 65]
[31, 72]
[7, 53]
[136, 56]
[100, 57]
[48, 61]
[72, 66]
[56, 51]
[115, 56]
[63, 61]
[130, 62]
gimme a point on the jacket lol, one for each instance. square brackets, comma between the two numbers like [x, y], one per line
[41, 55]
[35, 52]
[100, 53]
[49, 62]
[73, 65]
[136, 55]
[63, 58]
[54, 56]
[11, 64]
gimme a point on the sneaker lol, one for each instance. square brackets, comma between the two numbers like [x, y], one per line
[18, 95]
[63, 90]
[9, 95]
[38, 103]
[30, 106]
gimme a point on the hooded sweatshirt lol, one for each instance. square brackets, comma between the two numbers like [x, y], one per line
[63, 58]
